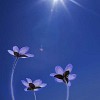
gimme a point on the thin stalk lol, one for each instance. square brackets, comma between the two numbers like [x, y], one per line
[34, 95]
[67, 93]
[12, 75]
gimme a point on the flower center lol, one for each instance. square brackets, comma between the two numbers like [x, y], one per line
[32, 86]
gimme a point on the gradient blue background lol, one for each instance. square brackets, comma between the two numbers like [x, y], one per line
[66, 39]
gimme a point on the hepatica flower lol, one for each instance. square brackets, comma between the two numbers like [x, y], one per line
[18, 53]
[33, 85]
[64, 76]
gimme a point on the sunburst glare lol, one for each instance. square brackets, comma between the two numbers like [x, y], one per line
[64, 3]
[56, 2]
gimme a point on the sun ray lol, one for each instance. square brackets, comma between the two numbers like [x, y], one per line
[78, 4]
[53, 5]
[64, 5]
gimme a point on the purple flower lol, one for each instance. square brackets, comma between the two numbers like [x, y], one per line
[20, 53]
[34, 86]
[64, 75]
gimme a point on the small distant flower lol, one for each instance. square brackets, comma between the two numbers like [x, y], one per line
[20, 53]
[64, 75]
[34, 86]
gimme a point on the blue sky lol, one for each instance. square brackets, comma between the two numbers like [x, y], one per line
[73, 38]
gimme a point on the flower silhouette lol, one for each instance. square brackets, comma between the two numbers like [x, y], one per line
[64, 75]
[34, 86]
[20, 53]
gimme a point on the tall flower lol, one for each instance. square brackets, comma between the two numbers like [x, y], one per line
[18, 53]
[64, 76]
[33, 86]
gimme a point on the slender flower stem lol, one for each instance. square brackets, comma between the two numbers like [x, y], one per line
[12, 75]
[67, 93]
[34, 95]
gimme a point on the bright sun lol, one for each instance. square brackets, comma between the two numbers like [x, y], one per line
[55, 2]
[64, 3]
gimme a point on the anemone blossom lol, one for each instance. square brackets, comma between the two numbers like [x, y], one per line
[18, 53]
[64, 76]
[33, 86]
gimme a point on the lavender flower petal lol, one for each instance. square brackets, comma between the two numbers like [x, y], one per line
[25, 83]
[23, 50]
[59, 80]
[25, 89]
[43, 85]
[59, 70]
[15, 49]
[23, 57]
[29, 80]
[29, 55]
[11, 52]
[52, 74]
[72, 76]
[36, 89]
[69, 67]
[37, 82]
